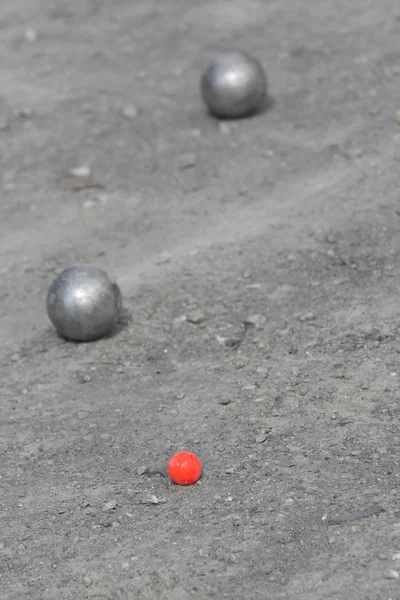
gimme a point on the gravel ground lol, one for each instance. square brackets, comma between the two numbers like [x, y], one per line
[259, 263]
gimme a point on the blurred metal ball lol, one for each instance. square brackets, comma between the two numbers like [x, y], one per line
[83, 303]
[234, 85]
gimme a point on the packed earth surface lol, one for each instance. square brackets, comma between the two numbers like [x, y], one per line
[259, 262]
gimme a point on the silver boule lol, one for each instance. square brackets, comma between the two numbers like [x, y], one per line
[83, 303]
[234, 85]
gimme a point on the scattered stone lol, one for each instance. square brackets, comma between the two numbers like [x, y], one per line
[283, 538]
[298, 460]
[149, 499]
[15, 357]
[263, 372]
[180, 395]
[230, 471]
[232, 342]
[30, 35]
[164, 258]
[85, 379]
[224, 128]
[373, 333]
[90, 203]
[26, 112]
[357, 515]
[240, 364]
[293, 349]
[396, 556]
[257, 321]
[392, 574]
[309, 316]
[331, 539]
[197, 317]
[187, 161]
[225, 401]
[83, 171]
[203, 552]
[129, 112]
[81, 178]
[259, 400]
[260, 439]
[99, 199]
[397, 117]
[215, 369]
[111, 505]
[87, 582]
[141, 470]
[232, 558]
[253, 286]
[249, 386]
[179, 320]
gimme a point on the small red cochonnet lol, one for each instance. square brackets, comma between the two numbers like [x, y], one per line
[184, 468]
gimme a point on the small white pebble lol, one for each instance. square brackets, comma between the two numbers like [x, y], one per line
[391, 574]
[109, 505]
[83, 171]
[224, 128]
[89, 203]
[30, 35]
[396, 556]
[26, 112]
[129, 111]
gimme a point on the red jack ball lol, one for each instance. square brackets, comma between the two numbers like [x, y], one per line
[184, 468]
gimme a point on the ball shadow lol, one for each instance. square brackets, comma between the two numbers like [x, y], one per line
[264, 107]
[123, 321]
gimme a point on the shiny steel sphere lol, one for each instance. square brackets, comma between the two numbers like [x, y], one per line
[83, 303]
[234, 85]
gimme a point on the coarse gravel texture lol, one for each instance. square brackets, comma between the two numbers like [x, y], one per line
[259, 264]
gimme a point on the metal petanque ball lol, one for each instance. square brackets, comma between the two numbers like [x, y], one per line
[233, 85]
[83, 303]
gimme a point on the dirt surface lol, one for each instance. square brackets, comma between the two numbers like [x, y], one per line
[277, 235]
